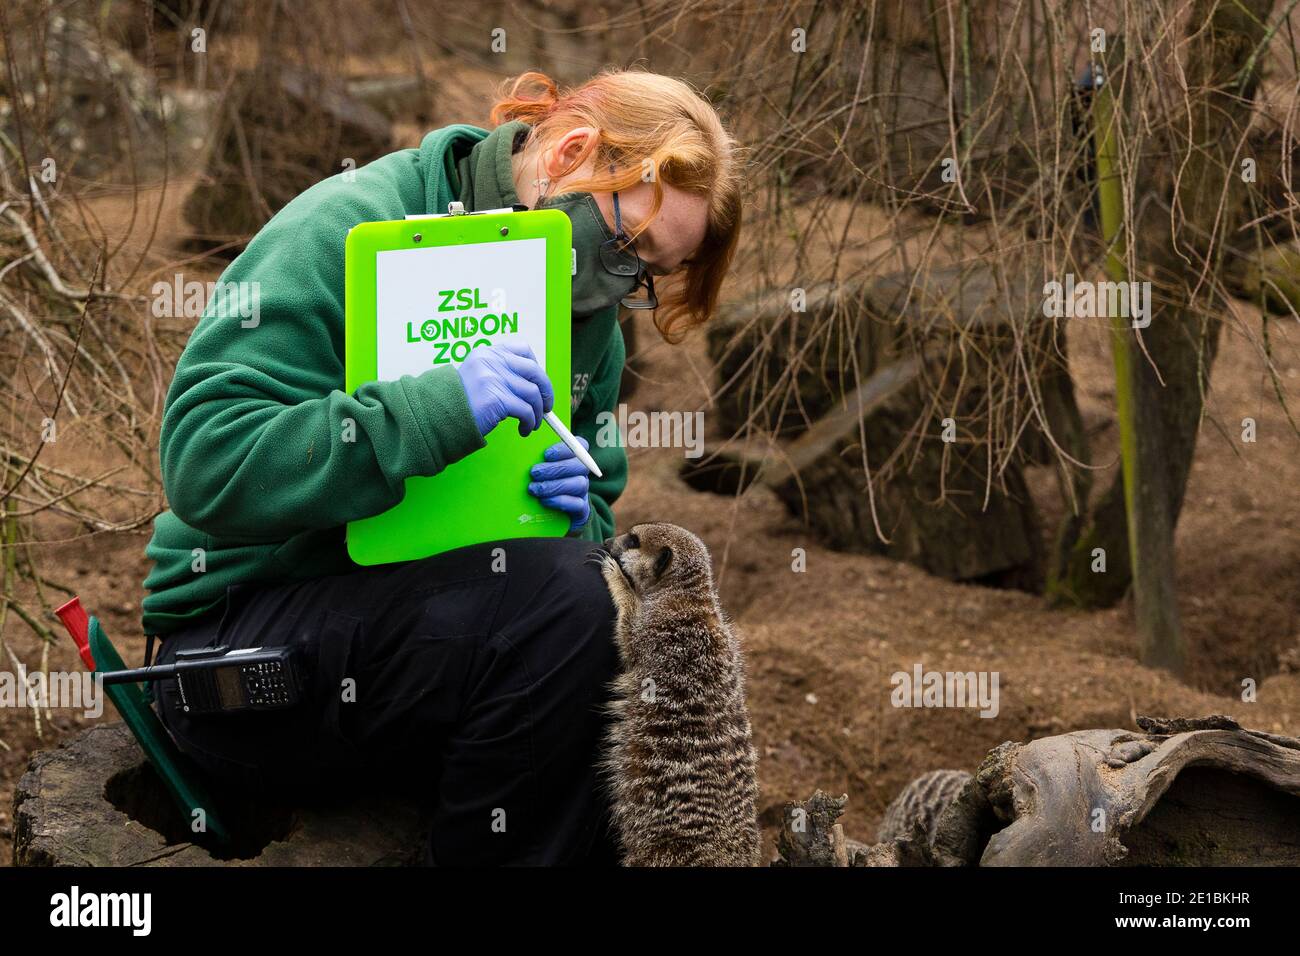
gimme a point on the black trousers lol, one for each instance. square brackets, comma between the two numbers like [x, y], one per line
[476, 678]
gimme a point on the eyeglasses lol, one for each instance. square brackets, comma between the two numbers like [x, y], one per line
[614, 257]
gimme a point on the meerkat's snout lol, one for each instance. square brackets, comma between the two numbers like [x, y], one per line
[645, 554]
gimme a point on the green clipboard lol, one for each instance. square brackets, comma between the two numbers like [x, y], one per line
[424, 292]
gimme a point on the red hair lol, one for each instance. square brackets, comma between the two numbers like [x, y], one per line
[654, 122]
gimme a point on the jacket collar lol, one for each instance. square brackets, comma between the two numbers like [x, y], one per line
[486, 176]
[439, 154]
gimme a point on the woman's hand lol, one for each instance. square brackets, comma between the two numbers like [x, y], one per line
[505, 381]
[561, 482]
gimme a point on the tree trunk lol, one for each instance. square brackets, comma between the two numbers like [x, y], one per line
[1172, 357]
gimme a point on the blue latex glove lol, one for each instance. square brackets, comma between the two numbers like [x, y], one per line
[562, 482]
[505, 381]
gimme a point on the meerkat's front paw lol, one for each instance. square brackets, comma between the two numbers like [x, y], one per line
[619, 588]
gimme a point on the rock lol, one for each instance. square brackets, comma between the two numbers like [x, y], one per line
[101, 113]
[97, 802]
[281, 129]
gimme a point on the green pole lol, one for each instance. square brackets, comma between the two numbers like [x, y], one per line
[1150, 530]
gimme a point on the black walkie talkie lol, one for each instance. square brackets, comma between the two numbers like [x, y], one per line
[216, 680]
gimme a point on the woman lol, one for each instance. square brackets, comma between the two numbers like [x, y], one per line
[477, 675]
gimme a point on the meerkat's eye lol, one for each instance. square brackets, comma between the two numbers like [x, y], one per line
[661, 563]
[633, 541]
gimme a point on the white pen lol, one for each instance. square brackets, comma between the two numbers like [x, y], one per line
[575, 446]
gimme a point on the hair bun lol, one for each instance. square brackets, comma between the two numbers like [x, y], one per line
[530, 97]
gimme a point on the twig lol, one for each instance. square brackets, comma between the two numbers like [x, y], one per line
[51, 275]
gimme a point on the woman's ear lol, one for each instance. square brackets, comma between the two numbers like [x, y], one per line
[570, 152]
[664, 559]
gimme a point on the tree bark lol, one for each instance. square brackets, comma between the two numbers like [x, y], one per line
[1174, 354]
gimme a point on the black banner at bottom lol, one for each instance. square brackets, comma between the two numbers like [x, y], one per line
[233, 905]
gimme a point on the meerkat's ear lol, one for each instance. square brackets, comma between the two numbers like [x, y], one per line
[664, 559]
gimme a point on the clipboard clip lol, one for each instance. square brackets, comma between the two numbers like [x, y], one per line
[455, 208]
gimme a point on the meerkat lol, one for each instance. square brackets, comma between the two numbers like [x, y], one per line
[680, 758]
[920, 804]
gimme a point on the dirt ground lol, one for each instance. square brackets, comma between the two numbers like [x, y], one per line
[823, 643]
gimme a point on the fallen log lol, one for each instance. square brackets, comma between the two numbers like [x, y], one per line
[733, 472]
[870, 413]
[1199, 791]
[810, 837]
[762, 347]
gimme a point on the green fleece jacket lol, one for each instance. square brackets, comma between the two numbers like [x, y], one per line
[259, 481]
